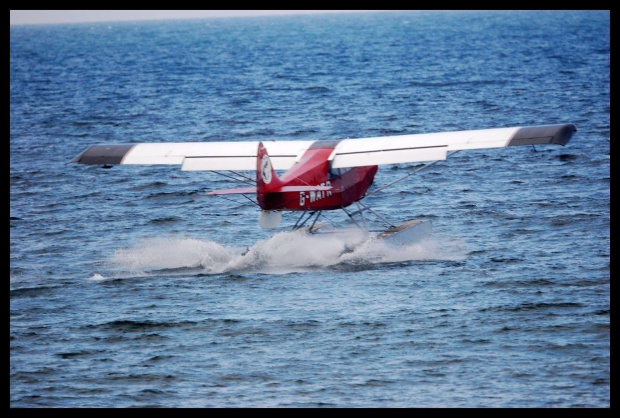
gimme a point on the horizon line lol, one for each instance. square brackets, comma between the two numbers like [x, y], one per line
[51, 17]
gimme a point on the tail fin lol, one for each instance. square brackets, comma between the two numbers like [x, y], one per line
[266, 178]
[266, 181]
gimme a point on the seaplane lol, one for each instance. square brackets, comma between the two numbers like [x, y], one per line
[321, 175]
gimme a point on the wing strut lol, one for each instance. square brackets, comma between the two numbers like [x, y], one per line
[361, 208]
[237, 202]
[299, 224]
[407, 175]
[242, 178]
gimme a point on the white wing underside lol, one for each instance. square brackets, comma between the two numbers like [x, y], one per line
[416, 148]
[194, 156]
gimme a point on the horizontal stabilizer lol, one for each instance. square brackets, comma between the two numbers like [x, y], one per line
[303, 189]
[284, 189]
[238, 190]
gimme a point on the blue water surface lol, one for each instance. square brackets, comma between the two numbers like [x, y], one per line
[128, 286]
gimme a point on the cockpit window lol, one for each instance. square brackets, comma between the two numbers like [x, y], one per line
[337, 172]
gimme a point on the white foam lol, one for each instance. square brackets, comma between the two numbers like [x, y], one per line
[282, 253]
[298, 249]
[171, 253]
[378, 251]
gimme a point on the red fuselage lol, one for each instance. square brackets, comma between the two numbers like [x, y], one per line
[313, 169]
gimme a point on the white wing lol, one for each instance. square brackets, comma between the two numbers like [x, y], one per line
[347, 153]
[196, 155]
[435, 146]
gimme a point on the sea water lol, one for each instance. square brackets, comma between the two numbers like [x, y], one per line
[129, 287]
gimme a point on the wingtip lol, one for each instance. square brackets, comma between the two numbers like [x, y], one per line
[78, 157]
[103, 154]
[565, 134]
[558, 134]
